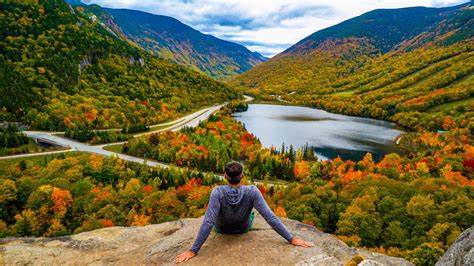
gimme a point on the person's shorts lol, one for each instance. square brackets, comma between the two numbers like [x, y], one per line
[249, 227]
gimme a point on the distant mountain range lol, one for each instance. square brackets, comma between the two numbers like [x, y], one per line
[170, 39]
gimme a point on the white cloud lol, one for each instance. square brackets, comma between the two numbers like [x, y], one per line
[270, 26]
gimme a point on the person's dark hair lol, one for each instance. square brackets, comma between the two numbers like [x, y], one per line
[233, 171]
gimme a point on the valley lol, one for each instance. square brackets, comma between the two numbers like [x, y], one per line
[356, 76]
[362, 130]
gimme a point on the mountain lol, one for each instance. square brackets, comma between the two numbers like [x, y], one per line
[62, 69]
[413, 66]
[170, 39]
[383, 28]
[161, 243]
[260, 56]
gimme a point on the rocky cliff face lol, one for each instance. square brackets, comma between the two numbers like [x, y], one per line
[160, 243]
[461, 251]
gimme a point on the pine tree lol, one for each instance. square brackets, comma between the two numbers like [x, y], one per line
[23, 165]
[291, 153]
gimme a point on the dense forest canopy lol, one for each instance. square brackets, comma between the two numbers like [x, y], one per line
[61, 68]
[65, 194]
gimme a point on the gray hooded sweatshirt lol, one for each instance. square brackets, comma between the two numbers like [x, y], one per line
[229, 210]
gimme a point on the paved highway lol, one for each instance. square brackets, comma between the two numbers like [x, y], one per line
[190, 120]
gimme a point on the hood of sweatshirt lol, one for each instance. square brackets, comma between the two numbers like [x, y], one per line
[232, 195]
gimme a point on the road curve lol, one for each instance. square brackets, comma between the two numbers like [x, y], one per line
[191, 120]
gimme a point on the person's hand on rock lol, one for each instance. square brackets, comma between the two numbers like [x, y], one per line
[301, 243]
[185, 256]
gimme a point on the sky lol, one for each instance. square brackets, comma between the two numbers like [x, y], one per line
[265, 26]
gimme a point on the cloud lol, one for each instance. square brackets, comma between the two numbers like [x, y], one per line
[444, 3]
[265, 26]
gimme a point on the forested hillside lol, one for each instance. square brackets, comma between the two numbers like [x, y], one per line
[58, 195]
[62, 69]
[418, 73]
[412, 206]
[170, 39]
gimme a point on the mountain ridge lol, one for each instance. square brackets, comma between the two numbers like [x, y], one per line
[170, 39]
[375, 24]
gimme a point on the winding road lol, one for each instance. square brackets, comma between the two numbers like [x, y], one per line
[191, 120]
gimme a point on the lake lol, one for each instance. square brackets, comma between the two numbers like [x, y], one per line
[330, 134]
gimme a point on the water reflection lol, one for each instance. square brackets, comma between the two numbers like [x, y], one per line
[329, 134]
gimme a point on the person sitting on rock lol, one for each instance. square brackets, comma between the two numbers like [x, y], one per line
[230, 211]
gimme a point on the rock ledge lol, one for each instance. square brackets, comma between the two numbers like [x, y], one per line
[160, 243]
[461, 251]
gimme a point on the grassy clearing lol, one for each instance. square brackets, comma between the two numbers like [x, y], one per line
[344, 93]
[272, 182]
[114, 148]
[273, 102]
[126, 136]
[31, 147]
[451, 105]
[157, 127]
[161, 126]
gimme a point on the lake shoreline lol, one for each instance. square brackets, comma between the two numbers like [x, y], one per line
[329, 134]
[286, 103]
